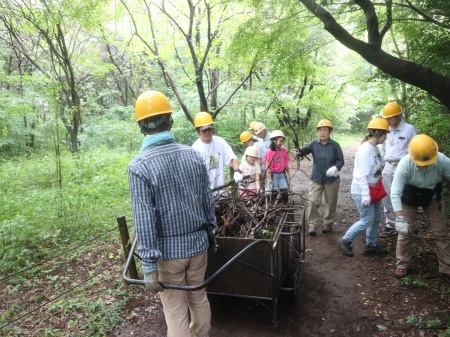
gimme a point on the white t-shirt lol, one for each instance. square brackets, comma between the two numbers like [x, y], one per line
[249, 170]
[216, 156]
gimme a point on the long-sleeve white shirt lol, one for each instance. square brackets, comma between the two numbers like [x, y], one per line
[367, 169]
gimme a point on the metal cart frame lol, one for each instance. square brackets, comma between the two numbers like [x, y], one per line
[248, 268]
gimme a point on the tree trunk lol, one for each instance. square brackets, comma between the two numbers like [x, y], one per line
[422, 77]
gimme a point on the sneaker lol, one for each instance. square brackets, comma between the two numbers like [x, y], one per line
[401, 272]
[344, 245]
[388, 231]
[312, 230]
[374, 250]
[326, 228]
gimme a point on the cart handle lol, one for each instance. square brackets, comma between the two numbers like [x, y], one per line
[195, 287]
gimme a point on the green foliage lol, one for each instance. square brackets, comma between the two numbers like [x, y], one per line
[408, 280]
[414, 320]
[36, 216]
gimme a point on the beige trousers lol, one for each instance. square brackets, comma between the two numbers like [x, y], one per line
[440, 235]
[177, 303]
[315, 199]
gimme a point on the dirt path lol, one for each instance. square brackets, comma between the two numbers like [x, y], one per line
[339, 296]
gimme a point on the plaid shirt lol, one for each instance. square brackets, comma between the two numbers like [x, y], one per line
[172, 201]
[324, 157]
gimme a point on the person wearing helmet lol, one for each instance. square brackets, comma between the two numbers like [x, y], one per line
[393, 149]
[215, 151]
[252, 127]
[263, 136]
[417, 183]
[328, 160]
[276, 161]
[250, 186]
[249, 140]
[173, 215]
[367, 172]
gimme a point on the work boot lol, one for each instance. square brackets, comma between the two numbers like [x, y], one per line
[312, 230]
[374, 250]
[345, 247]
[326, 228]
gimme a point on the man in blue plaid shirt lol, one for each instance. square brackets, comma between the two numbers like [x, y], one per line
[173, 211]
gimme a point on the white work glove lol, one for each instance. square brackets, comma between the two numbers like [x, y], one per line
[332, 171]
[237, 177]
[401, 225]
[151, 281]
[365, 200]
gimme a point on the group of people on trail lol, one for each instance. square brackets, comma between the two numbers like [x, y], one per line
[404, 177]
[171, 188]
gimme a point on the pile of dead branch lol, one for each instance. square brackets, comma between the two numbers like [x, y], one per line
[253, 217]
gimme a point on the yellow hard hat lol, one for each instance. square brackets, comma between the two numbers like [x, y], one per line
[203, 119]
[151, 103]
[252, 125]
[324, 122]
[391, 109]
[251, 151]
[378, 124]
[276, 134]
[423, 150]
[258, 127]
[246, 136]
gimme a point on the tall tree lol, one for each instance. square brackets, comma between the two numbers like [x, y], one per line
[195, 30]
[51, 38]
[419, 73]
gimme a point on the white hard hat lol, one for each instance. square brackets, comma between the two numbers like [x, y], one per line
[251, 151]
[276, 133]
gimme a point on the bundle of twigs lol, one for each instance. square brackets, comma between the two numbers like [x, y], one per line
[256, 216]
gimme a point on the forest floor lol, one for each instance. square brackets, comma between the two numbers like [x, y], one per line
[339, 296]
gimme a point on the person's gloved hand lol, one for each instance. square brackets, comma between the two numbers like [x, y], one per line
[151, 281]
[332, 171]
[365, 200]
[401, 225]
[212, 240]
[237, 177]
[298, 153]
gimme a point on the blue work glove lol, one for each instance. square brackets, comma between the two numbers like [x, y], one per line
[151, 281]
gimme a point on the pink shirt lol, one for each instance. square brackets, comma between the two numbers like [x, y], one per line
[277, 160]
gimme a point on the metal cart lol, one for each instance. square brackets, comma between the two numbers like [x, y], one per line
[248, 268]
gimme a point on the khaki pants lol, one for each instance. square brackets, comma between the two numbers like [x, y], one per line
[440, 235]
[176, 303]
[315, 198]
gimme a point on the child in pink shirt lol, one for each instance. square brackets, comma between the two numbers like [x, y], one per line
[277, 163]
